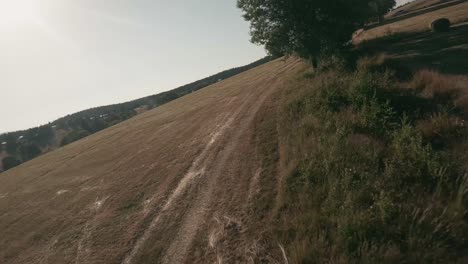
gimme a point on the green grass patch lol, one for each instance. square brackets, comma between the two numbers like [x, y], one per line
[379, 178]
[133, 203]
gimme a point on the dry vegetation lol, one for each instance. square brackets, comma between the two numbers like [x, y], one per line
[171, 184]
[3, 154]
[380, 167]
[414, 6]
[457, 14]
[373, 160]
[410, 52]
[361, 164]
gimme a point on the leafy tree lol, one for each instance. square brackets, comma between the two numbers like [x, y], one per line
[45, 134]
[10, 162]
[74, 136]
[29, 151]
[98, 124]
[306, 27]
[381, 7]
[42, 135]
[11, 144]
[84, 124]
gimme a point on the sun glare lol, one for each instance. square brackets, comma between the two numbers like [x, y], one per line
[16, 13]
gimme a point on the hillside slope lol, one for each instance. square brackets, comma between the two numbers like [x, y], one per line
[418, 21]
[25, 145]
[171, 185]
[414, 6]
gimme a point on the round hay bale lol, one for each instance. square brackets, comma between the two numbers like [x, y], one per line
[440, 25]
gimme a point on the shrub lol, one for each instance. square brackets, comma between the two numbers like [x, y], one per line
[10, 162]
[74, 136]
[440, 25]
[29, 151]
[432, 84]
[373, 187]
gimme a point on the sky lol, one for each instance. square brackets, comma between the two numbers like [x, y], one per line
[401, 2]
[58, 57]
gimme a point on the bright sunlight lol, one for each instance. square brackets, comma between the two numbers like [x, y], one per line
[16, 13]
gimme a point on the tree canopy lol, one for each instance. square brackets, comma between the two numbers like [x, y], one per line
[308, 27]
[10, 162]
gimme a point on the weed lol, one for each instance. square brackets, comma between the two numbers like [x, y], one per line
[378, 179]
[134, 203]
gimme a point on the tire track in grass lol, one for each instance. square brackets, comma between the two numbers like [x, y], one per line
[196, 170]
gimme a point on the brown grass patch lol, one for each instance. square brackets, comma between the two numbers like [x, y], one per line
[457, 14]
[380, 180]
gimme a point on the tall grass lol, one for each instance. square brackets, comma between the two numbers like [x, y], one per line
[380, 175]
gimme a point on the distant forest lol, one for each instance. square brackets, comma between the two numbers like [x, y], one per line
[21, 146]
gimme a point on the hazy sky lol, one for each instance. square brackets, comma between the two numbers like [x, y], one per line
[400, 2]
[58, 57]
[62, 56]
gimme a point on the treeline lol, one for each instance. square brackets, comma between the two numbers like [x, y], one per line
[21, 146]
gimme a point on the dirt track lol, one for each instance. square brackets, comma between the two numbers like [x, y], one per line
[173, 185]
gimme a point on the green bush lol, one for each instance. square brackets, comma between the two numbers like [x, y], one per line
[371, 188]
[440, 25]
[74, 136]
[29, 151]
[10, 162]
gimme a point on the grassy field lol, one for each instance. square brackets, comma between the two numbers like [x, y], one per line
[175, 184]
[414, 6]
[375, 153]
[360, 162]
[457, 14]
[377, 166]
[409, 52]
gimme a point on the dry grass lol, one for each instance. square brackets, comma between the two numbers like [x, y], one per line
[443, 128]
[414, 6]
[380, 177]
[410, 52]
[457, 14]
[117, 181]
[433, 85]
